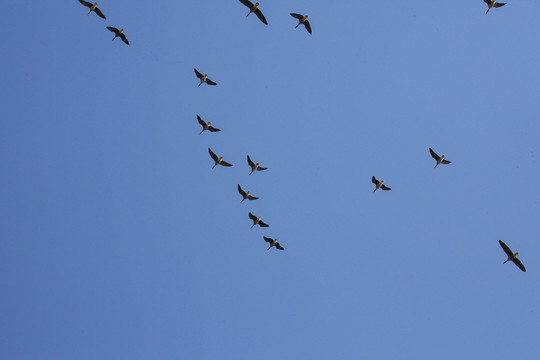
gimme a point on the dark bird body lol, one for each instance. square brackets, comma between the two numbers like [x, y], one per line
[379, 184]
[204, 78]
[218, 160]
[492, 4]
[245, 195]
[93, 7]
[118, 33]
[257, 221]
[511, 256]
[439, 159]
[302, 19]
[254, 8]
[273, 242]
[206, 125]
[254, 166]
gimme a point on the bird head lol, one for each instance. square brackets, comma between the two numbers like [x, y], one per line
[209, 122]
[257, 164]
[516, 254]
[257, 3]
[121, 30]
[307, 16]
[220, 158]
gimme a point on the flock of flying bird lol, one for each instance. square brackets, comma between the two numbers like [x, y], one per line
[302, 20]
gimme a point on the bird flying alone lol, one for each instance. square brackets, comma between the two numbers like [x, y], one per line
[439, 159]
[512, 256]
[218, 161]
[206, 125]
[302, 19]
[118, 33]
[254, 8]
[379, 184]
[273, 242]
[93, 7]
[493, 4]
[245, 195]
[204, 78]
[254, 166]
[257, 221]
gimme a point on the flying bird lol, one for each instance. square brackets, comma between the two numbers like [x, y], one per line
[254, 167]
[273, 243]
[206, 125]
[302, 20]
[379, 184]
[493, 4]
[511, 256]
[118, 33]
[204, 78]
[257, 220]
[245, 195]
[218, 161]
[254, 9]
[93, 7]
[439, 159]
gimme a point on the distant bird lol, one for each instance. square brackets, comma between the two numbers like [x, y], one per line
[204, 78]
[379, 184]
[273, 243]
[493, 4]
[257, 220]
[302, 20]
[512, 256]
[118, 33]
[219, 161]
[206, 125]
[93, 7]
[254, 9]
[254, 167]
[439, 159]
[245, 195]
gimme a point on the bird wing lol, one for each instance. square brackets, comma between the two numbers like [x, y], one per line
[297, 16]
[261, 16]
[434, 155]
[487, 2]
[261, 224]
[199, 75]
[261, 168]
[213, 129]
[252, 197]
[251, 163]
[268, 240]
[212, 155]
[252, 217]
[375, 181]
[224, 163]
[99, 13]
[210, 82]
[249, 4]
[124, 38]
[240, 191]
[201, 121]
[113, 29]
[279, 247]
[519, 264]
[445, 162]
[499, 5]
[506, 248]
[384, 187]
[308, 27]
[86, 3]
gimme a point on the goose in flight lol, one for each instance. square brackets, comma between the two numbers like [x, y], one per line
[118, 33]
[204, 78]
[511, 256]
[93, 7]
[245, 195]
[254, 167]
[254, 8]
[206, 125]
[257, 220]
[218, 161]
[273, 243]
[439, 159]
[493, 4]
[379, 184]
[302, 19]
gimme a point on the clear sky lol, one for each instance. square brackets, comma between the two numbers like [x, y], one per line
[118, 240]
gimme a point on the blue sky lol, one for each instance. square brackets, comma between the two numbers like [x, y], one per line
[120, 241]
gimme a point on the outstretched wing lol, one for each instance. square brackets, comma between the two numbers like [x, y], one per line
[434, 155]
[261, 16]
[506, 249]
[113, 29]
[261, 168]
[249, 4]
[297, 16]
[224, 163]
[308, 27]
[99, 13]
[445, 162]
[210, 82]
[251, 163]
[384, 187]
[279, 247]
[252, 197]
[86, 3]
[240, 191]
[252, 217]
[201, 121]
[375, 181]
[124, 38]
[199, 75]
[268, 240]
[212, 155]
[213, 129]
[499, 5]
[261, 224]
[487, 2]
[519, 264]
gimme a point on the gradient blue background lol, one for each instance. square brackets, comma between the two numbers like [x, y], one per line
[118, 241]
